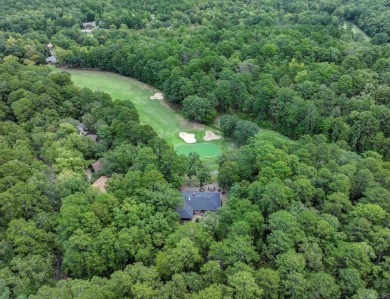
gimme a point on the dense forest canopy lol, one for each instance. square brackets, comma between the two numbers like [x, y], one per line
[290, 66]
[307, 218]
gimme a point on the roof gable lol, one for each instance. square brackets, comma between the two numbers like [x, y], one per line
[202, 201]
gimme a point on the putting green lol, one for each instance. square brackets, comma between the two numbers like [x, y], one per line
[208, 150]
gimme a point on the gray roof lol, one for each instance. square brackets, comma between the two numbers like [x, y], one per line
[92, 24]
[81, 128]
[202, 201]
[92, 137]
[51, 59]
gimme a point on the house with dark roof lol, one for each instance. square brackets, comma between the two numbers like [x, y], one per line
[197, 203]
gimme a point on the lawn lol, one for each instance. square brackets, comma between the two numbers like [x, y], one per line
[156, 113]
[207, 150]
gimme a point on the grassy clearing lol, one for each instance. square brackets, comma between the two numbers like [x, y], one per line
[204, 149]
[266, 134]
[156, 113]
[356, 30]
[160, 115]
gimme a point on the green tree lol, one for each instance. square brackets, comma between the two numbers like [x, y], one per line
[245, 129]
[244, 286]
[26, 238]
[323, 285]
[199, 109]
[269, 281]
[193, 162]
[228, 174]
[350, 281]
[184, 257]
[203, 173]
[228, 124]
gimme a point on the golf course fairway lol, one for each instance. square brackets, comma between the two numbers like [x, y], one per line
[157, 113]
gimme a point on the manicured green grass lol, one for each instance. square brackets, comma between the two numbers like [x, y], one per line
[204, 149]
[156, 113]
[266, 134]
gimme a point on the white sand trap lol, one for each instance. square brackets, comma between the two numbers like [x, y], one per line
[188, 138]
[157, 96]
[210, 135]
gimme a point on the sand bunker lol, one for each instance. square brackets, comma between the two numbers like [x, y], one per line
[157, 96]
[211, 136]
[188, 138]
[101, 183]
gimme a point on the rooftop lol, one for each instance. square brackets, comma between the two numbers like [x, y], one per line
[89, 24]
[96, 165]
[51, 59]
[198, 201]
[100, 183]
[92, 137]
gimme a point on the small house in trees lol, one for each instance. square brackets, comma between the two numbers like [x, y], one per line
[96, 166]
[51, 60]
[89, 25]
[93, 137]
[82, 129]
[100, 183]
[50, 47]
[197, 203]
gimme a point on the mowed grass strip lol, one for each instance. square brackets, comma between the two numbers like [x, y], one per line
[207, 150]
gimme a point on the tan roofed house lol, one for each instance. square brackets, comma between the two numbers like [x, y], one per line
[96, 166]
[100, 183]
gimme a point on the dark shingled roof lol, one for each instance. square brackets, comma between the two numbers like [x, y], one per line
[202, 201]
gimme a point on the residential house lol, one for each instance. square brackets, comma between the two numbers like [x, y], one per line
[197, 203]
[82, 129]
[96, 166]
[51, 60]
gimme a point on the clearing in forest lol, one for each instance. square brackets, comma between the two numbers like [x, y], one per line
[153, 111]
